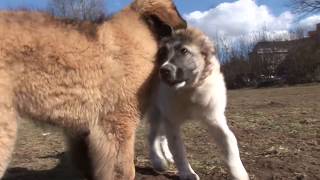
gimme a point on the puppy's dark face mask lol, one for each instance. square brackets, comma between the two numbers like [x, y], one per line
[181, 63]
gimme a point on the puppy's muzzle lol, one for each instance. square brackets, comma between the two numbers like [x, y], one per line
[170, 74]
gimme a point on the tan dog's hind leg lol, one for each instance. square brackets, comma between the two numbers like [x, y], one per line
[106, 151]
[8, 123]
[8, 133]
[102, 152]
[79, 154]
[100, 157]
[124, 168]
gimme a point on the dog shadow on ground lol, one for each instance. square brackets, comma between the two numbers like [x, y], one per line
[64, 170]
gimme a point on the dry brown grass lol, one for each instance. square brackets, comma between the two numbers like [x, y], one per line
[278, 131]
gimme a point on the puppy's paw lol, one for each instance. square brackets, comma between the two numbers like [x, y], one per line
[240, 174]
[243, 177]
[192, 176]
[159, 165]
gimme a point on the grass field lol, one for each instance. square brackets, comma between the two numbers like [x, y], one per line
[278, 130]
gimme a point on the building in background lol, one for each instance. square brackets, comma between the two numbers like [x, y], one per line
[315, 34]
[266, 56]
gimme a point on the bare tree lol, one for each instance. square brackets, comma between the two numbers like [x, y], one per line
[77, 9]
[251, 59]
[298, 33]
[305, 6]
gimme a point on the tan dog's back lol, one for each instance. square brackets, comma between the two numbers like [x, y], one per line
[42, 59]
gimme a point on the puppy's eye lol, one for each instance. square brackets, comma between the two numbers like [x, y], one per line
[184, 51]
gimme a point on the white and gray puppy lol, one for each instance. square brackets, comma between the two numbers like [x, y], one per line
[191, 88]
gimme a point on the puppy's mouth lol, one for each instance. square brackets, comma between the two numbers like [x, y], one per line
[172, 80]
[176, 84]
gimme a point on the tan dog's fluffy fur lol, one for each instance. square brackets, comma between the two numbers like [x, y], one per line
[94, 87]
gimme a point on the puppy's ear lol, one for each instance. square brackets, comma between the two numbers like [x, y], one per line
[207, 49]
[164, 10]
[159, 28]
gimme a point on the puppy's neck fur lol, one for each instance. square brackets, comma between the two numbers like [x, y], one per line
[202, 93]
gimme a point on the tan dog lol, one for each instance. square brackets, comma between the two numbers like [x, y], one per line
[91, 84]
[191, 88]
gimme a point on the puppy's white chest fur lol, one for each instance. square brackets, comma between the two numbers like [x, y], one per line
[191, 104]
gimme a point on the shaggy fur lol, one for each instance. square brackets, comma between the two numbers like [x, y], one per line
[93, 86]
[191, 88]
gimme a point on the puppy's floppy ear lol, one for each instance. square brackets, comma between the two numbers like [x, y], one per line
[207, 49]
[161, 29]
[164, 10]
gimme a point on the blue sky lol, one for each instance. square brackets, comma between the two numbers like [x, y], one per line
[185, 6]
[34, 4]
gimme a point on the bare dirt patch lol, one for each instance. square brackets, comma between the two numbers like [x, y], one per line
[278, 131]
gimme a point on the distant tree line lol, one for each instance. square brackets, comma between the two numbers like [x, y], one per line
[302, 65]
[90, 10]
[243, 68]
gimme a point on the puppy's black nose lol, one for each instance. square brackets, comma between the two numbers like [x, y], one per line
[167, 72]
[164, 72]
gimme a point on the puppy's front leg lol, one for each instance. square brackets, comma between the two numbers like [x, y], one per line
[178, 151]
[226, 140]
[158, 160]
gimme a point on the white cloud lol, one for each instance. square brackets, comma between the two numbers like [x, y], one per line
[309, 22]
[244, 17]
